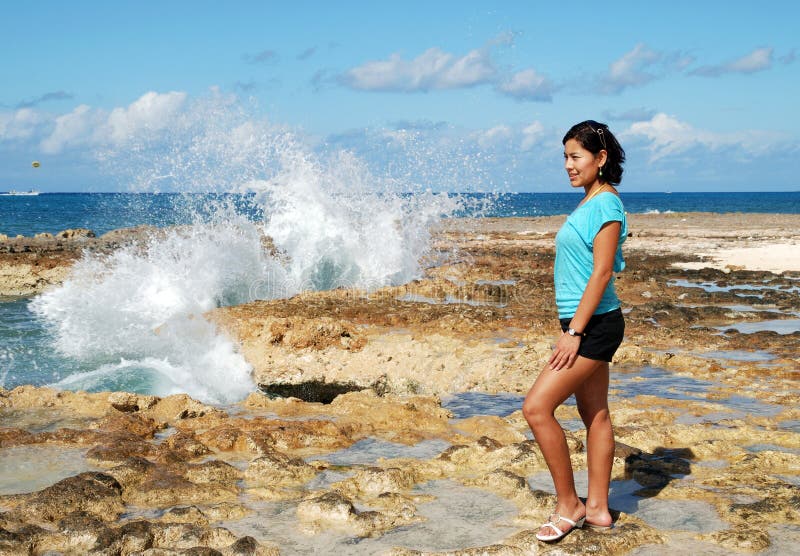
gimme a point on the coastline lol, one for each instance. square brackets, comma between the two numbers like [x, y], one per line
[691, 396]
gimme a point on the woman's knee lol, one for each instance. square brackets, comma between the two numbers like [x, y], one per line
[536, 411]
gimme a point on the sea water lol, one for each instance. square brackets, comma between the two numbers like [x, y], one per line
[133, 319]
[105, 211]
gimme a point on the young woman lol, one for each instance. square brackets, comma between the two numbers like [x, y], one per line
[587, 255]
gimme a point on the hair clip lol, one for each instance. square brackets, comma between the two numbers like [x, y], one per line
[602, 137]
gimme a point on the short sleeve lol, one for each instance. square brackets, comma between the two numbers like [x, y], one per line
[607, 208]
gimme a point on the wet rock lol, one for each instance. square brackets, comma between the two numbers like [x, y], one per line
[329, 507]
[185, 514]
[261, 436]
[523, 458]
[119, 447]
[277, 469]
[213, 471]
[179, 407]
[15, 437]
[76, 403]
[374, 481]
[79, 532]
[126, 423]
[742, 538]
[162, 488]
[332, 509]
[96, 493]
[490, 426]
[186, 446]
[503, 483]
[132, 472]
[781, 505]
[225, 511]
[75, 233]
[129, 402]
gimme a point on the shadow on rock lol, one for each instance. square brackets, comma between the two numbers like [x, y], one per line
[655, 471]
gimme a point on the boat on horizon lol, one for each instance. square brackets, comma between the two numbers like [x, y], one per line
[13, 192]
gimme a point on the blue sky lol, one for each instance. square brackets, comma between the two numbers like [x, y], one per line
[454, 94]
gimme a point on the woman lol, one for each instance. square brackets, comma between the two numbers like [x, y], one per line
[587, 254]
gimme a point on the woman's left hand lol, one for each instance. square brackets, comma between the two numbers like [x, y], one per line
[565, 353]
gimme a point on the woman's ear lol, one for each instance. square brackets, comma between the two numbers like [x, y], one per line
[602, 157]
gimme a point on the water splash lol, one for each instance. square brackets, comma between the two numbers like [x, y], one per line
[134, 318]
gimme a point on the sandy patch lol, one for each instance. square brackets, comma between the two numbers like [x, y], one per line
[771, 257]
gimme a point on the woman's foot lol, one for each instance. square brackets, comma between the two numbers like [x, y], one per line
[564, 520]
[598, 517]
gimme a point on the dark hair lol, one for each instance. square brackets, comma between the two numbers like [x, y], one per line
[595, 137]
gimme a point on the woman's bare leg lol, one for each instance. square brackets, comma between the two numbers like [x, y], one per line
[547, 393]
[592, 398]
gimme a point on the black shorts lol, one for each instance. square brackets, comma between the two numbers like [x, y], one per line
[602, 335]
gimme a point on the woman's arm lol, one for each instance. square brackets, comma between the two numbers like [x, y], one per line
[604, 249]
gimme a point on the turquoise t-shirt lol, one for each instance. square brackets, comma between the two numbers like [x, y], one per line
[574, 257]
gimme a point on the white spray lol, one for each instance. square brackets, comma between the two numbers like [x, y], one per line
[134, 317]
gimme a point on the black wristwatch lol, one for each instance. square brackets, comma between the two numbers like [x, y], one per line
[573, 332]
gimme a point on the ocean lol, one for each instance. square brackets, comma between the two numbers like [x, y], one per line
[102, 212]
[126, 321]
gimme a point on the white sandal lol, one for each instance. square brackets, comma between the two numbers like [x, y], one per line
[559, 533]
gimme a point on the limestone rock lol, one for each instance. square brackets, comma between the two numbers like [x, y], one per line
[332, 509]
[75, 233]
[96, 493]
[276, 469]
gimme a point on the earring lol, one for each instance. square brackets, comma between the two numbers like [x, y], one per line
[601, 171]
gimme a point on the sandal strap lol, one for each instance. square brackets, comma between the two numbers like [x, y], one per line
[562, 518]
[553, 526]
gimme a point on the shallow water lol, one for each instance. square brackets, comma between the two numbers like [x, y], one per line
[31, 468]
[369, 450]
[469, 404]
[781, 326]
[654, 381]
[771, 448]
[790, 424]
[737, 355]
[713, 287]
[42, 419]
[459, 516]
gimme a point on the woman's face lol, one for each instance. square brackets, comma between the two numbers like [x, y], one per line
[582, 166]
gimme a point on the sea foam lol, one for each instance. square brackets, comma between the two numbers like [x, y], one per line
[134, 318]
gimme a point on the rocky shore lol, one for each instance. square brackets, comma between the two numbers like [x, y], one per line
[387, 422]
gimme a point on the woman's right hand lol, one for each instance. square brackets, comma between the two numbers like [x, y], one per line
[565, 352]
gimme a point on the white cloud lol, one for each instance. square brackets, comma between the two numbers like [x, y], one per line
[20, 124]
[151, 112]
[433, 69]
[528, 85]
[87, 126]
[76, 127]
[759, 59]
[668, 136]
[531, 135]
[493, 136]
[630, 70]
